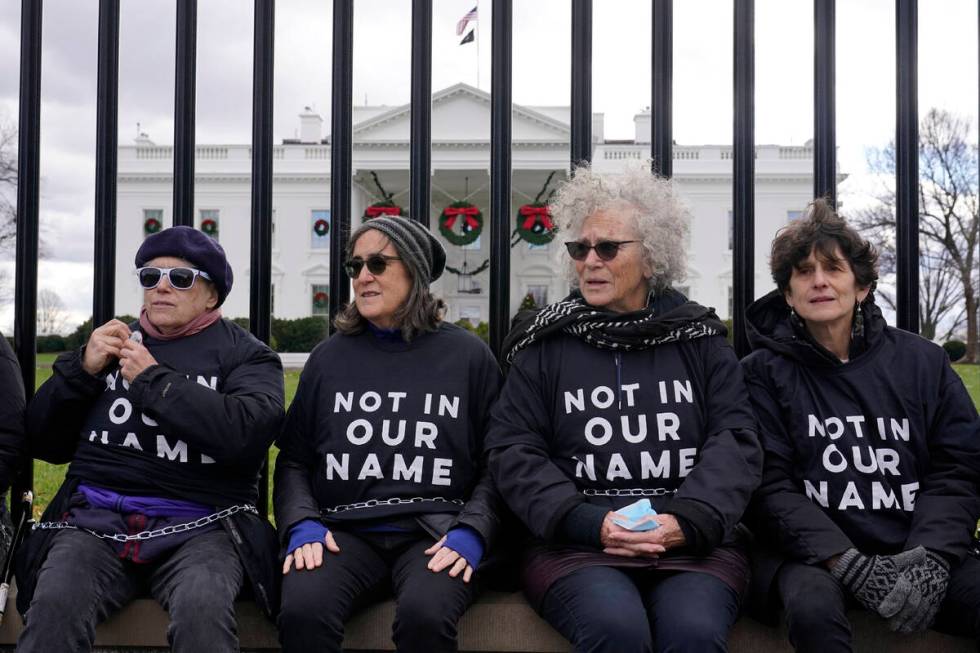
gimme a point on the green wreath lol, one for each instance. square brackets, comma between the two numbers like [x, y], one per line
[534, 223]
[382, 208]
[321, 227]
[151, 226]
[209, 226]
[470, 221]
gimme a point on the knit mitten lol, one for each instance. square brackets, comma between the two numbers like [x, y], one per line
[930, 578]
[872, 580]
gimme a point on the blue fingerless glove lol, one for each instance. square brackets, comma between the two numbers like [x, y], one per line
[306, 532]
[466, 542]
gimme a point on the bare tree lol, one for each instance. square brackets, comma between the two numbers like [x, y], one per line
[8, 186]
[941, 307]
[949, 220]
[52, 318]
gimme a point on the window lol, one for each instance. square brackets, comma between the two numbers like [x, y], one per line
[793, 215]
[539, 293]
[531, 247]
[210, 222]
[152, 221]
[475, 245]
[320, 229]
[320, 299]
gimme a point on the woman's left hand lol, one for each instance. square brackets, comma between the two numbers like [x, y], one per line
[133, 359]
[622, 542]
[443, 557]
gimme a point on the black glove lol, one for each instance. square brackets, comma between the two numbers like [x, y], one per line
[930, 579]
[872, 580]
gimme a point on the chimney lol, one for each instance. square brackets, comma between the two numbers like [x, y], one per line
[310, 123]
[641, 121]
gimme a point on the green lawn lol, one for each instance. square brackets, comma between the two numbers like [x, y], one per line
[47, 477]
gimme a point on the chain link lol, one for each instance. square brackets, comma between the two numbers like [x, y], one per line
[395, 501]
[149, 535]
[630, 492]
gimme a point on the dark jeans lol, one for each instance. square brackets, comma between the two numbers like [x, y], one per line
[82, 582]
[316, 603]
[607, 609]
[815, 606]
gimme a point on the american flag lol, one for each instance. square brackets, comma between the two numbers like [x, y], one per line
[461, 25]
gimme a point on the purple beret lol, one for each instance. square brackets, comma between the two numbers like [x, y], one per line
[196, 248]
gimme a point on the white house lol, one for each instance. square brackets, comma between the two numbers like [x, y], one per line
[460, 171]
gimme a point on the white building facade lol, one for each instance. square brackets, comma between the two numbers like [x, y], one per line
[460, 171]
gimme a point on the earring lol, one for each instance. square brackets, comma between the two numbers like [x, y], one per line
[857, 323]
[795, 319]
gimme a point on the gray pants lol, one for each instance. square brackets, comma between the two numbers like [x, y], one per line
[82, 582]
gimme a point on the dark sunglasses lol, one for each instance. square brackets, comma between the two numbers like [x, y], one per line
[376, 264]
[179, 278]
[604, 249]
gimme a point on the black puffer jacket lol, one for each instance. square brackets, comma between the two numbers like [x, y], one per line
[881, 453]
[583, 429]
[194, 427]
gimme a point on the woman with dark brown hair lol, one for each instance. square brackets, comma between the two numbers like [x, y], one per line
[872, 445]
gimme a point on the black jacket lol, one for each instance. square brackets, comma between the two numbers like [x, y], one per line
[380, 422]
[576, 425]
[194, 427]
[881, 453]
[12, 405]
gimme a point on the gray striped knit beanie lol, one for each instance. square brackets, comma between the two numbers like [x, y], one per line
[418, 248]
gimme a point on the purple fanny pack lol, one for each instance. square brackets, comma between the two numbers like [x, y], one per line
[139, 529]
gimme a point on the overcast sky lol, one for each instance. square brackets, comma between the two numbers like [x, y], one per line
[621, 80]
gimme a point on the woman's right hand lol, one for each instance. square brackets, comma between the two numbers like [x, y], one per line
[613, 545]
[310, 555]
[104, 346]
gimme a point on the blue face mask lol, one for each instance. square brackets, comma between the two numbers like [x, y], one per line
[637, 516]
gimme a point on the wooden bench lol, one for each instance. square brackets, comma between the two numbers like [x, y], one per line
[499, 621]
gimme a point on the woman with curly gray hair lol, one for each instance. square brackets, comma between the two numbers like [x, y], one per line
[623, 437]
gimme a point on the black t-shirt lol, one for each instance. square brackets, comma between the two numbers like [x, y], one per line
[388, 427]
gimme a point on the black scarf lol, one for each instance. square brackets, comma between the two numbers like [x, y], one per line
[668, 317]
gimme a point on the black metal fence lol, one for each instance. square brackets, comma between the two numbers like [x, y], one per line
[824, 173]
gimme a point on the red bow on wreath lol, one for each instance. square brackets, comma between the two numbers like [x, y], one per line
[452, 213]
[532, 213]
[374, 211]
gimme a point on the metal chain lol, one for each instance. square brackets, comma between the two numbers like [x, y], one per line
[159, 532]
[630, 492]
[395, 501]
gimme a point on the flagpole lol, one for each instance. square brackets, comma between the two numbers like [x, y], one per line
[477, 43]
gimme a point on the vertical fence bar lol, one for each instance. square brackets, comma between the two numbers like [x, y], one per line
[420, 165]
[184, 107]
[581, 103]
[500, 171]
[341, 116]
[907, 164]
[106, 137]
[28, 222]
[260, 280]
[824, 101]
[743, 160]
[661, 105]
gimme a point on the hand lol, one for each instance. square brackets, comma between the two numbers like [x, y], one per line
[310, 555]
[929, 580]
[443, 556]
[134, 357]
[876, 581]
[104, 346]
[617, 540]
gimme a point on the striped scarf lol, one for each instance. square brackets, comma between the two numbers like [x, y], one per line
[667, 318]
